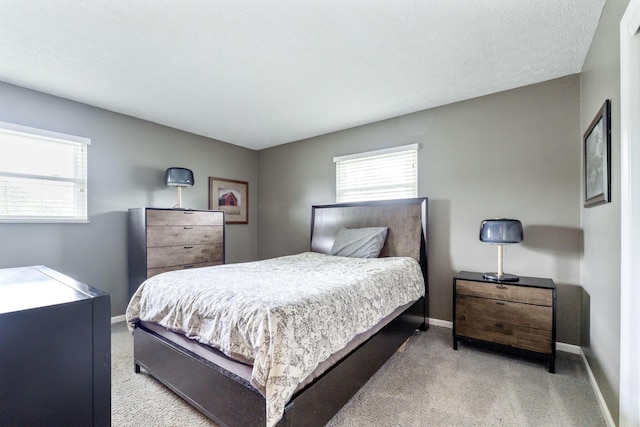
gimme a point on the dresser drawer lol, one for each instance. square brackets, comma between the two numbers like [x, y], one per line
[160, 218]
[184, 235]
[153, 271]
[527, 315]
[501, 291]
[166, 256]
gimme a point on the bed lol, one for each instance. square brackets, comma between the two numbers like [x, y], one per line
[217, 382]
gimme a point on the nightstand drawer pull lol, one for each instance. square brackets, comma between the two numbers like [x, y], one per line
[501, 287]
[188, 247]
[188, 228]
[500, 325]
[500, 303]
[187, 266]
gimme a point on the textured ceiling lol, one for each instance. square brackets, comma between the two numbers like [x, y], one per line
[260, 73]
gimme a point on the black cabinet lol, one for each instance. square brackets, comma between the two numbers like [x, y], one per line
[55, 350]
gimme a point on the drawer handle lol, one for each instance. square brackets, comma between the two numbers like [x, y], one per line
[187, 266]
[188, 247]
[500, 325]
[187, 213]
[501, 287]
[499, 303]
[188, 228]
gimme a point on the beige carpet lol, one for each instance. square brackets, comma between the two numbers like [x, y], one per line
[427, 384]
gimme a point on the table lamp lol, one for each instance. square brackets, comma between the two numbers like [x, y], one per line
[179, 177]
[501, 232]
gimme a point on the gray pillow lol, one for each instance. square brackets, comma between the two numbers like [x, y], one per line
[359, 242]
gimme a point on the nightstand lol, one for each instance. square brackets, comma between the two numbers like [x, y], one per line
[519, 317]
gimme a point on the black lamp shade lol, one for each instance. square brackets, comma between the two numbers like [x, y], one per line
[501, 231]
[179, 177]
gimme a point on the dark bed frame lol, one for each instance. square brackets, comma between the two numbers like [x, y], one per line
[232, 401]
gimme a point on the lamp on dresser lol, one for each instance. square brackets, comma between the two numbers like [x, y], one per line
[501, 232]
[179, 177]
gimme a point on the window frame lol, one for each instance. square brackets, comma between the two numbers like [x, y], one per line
[376, 154]
[80, 178]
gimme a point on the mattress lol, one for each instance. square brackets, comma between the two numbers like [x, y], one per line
[243, 370]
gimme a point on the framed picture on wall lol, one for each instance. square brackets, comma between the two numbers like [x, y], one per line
[230, 196]
[597, 158]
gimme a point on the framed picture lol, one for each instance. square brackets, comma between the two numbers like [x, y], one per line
[230, 196]
[597, 159]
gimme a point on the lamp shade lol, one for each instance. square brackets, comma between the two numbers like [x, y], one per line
[179, 177]
[501, 231]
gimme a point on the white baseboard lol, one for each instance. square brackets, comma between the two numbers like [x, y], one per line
[441, 323]
[118, 319]
[594, 384]
[568, 348]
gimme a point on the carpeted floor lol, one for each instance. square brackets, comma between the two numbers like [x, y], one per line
[427, 384]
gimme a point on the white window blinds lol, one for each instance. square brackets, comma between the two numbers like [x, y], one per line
[43, 175]
[378, 175]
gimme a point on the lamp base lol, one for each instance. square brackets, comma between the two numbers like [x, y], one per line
[504, 278]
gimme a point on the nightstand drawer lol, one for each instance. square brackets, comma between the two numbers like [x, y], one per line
[505, 333]
[167, 256]
[501, 291]
[527, 315]
[184, 235]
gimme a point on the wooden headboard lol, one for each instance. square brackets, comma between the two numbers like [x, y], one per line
[407, 220]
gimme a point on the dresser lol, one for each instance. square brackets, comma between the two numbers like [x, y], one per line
[55, 350]
[161, 240]
[519, 317]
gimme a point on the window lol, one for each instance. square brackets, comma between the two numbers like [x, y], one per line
[377, 175]
[43, 175]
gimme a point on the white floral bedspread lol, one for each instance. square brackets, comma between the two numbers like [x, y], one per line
[284, 315]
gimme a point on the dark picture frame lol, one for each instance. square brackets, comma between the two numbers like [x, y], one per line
[230, 196]
[597, 158]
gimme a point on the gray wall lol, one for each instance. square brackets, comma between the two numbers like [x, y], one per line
[600, 80]
[127, 160]
[511, 154]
